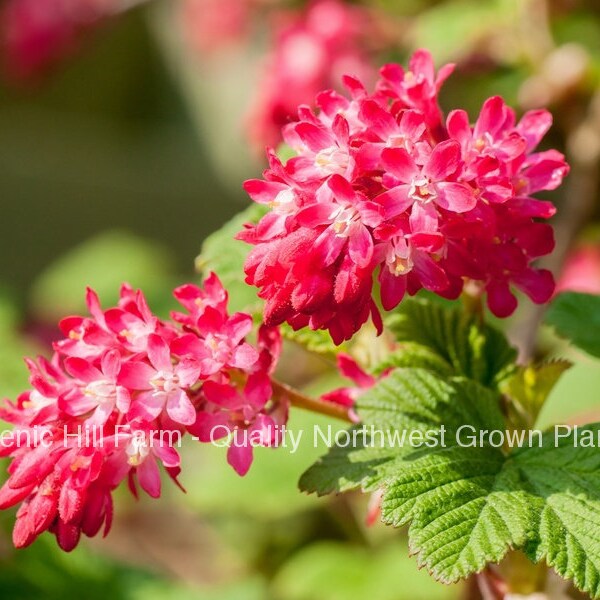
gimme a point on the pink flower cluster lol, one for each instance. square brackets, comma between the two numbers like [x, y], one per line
[312, 49]
[36, 34]
[383, 184]
[114, 401]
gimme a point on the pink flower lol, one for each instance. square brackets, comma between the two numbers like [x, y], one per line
[346, 215]
[427, 187]
[218, 343]
[38, 34]
[132, 322]
[98, 390]
[162, 383]
[378, 184]
[144, 450]
[195, 300]
[349, 368]
[117, 397]
[581, 272]
[242, 415]
[86, 337]
[418, 87]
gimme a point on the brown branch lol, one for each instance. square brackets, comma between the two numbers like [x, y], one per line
[299, 400]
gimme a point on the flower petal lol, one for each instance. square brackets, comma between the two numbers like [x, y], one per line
[457, 197]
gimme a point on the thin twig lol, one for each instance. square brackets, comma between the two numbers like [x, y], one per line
[299, 400]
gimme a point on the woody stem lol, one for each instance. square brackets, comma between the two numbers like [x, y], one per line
[283, 391]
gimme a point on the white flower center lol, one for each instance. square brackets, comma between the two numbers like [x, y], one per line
[399, 141]
[36, 401]
[137, 450]
[332, 160]
[422, 190]
[102, 391]
[398, 258]
[284, 202]
[483, 142]
[344, 219]
[164, 383]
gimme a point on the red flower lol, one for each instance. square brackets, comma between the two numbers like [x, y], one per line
[378, 182]
[117, 396]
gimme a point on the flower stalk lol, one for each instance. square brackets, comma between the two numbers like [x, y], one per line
[283, 391]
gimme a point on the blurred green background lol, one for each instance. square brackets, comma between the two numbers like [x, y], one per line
[118, 166]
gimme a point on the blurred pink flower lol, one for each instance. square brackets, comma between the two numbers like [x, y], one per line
[581, 272]
[212, 25]
[38, 34]
[311, 51]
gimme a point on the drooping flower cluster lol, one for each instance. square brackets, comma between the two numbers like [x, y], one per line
[36, 34]
[311, 51]
[115, 399]
[383, 185]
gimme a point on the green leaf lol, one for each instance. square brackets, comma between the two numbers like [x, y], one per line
[413, 355]
[473, 350]
[460, 500]
[418, 399]
[408, 400]
[529, 388]
[225, 255]
[563, 483]
[468, 501]
[576, 316]
[346, 468]
[465, 509]
[467, 505]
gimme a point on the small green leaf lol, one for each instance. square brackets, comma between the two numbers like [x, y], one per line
[473, 350]
[576, 316]
[225, 256]
[529, 387]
